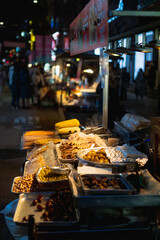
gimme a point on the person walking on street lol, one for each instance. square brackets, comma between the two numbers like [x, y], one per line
[125, 80]
[10, 75]
[2, 79]
[24, 85]
[15, 87]
[140, 84]
[38, 83]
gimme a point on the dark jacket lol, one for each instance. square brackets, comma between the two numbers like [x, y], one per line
[15, 83]
[24, 83]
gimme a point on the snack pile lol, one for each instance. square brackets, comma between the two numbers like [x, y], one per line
[78, 141]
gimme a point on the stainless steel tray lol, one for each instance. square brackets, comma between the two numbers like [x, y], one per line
[129, 189]
[59, 155]
[51, 184]
[148, 197]
[12, 188]
[117, 167]
[128, 134]
[25, 208]
[28, 188]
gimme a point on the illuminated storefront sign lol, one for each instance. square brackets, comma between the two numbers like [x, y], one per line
[89, 30]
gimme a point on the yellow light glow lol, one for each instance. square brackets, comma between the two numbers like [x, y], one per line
[88, 71]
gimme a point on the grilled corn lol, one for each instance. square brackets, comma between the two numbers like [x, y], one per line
[68, 130]
[67, 124]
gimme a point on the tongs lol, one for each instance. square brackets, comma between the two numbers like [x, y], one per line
[60, 169]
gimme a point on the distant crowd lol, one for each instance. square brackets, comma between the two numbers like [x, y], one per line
[25, 83]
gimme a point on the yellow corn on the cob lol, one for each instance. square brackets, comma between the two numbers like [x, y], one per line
[67, 123]
[68, 130]
[37, 132]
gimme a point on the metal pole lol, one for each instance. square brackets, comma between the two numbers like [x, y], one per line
[105, 101]
[104, 72]
[135, 13]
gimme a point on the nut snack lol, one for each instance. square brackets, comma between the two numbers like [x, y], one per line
[27, 183]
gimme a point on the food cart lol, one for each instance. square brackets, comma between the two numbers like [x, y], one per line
[127, 209]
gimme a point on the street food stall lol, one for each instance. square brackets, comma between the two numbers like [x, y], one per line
[85, 182]
[82, 186]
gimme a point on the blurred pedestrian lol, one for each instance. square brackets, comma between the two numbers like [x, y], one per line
[10, 75]
[2, 81]
[151, 76]
[113, 100]
[38, 83]
[24, 85]
[125, 80]
[140, 84]
[15, 87]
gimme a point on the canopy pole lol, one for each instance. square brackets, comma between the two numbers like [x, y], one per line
[105, 101]
[104, 73]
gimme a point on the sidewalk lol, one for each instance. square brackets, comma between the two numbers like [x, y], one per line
[147, 106]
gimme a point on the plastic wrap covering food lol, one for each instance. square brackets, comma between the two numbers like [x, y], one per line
[36, 151]
[134, 122]
[47, 158]
[29, 138]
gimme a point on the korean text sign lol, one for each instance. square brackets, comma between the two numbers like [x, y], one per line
[89, 30]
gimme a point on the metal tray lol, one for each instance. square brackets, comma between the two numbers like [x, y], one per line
[129, 189]
[51, 184]
[25, 208]
[117, 167]
[18, 177]
[128, 134]
[148, 197]
[59, 155]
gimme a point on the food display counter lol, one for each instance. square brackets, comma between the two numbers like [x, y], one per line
[71, 189]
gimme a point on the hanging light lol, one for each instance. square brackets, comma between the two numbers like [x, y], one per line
[139, 48]
[154, 44]
[113, 52]
[124, 50]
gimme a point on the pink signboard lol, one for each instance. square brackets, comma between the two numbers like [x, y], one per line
[14, 44]
[47, 48]
[39, 48]
[89, 30]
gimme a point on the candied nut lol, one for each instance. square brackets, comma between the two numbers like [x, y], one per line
[39, 207]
